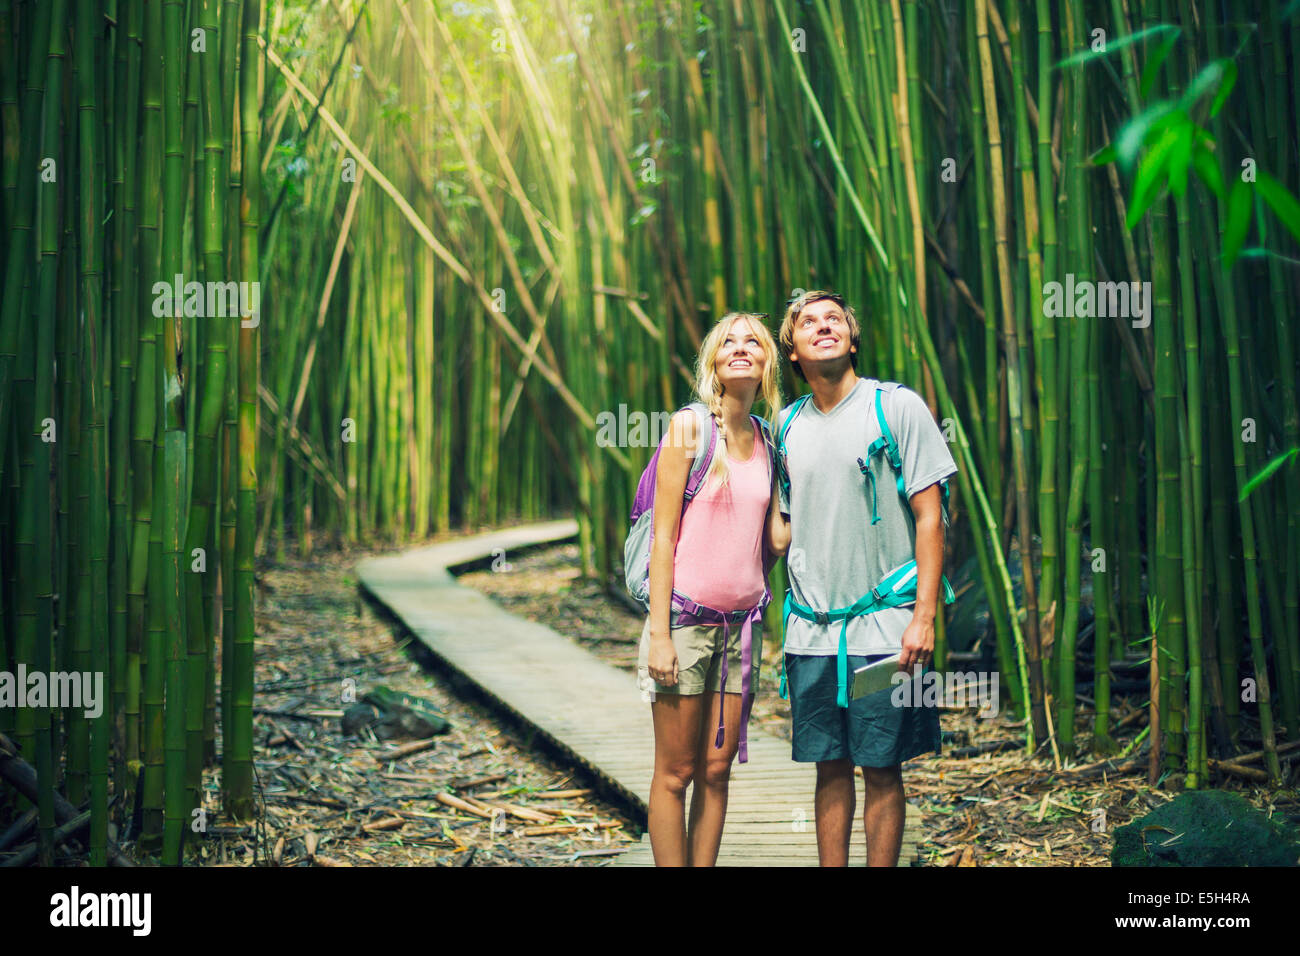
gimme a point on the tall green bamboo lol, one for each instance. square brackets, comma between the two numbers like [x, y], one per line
[237, 779]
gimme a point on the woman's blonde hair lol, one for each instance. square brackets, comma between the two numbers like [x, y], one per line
[709, 388]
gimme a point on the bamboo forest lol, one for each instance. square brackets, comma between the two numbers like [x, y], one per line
[310, 305]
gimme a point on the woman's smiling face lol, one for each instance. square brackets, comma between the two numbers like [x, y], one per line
[740, 361]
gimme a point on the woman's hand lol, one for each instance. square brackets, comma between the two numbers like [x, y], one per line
[663, 660]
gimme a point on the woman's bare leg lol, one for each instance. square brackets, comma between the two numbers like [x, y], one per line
[712, 777]
[677, 734]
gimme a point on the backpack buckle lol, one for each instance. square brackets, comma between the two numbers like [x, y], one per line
[821, 617]
[875, 593]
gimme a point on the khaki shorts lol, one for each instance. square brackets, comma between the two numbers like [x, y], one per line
[699, 659]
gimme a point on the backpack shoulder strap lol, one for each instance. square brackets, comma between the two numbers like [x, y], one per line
[886, 433]
[894, 453]
[704, 423]
[778, 452]
[769, 440]
[795, 409]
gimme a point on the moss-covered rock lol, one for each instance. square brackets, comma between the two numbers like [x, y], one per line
[1206, 828]
[393, 714]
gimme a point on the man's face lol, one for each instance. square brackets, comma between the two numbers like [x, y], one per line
[821, 335]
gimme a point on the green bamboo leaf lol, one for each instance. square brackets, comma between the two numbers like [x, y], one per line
[1234, 234]
[1211, 77]
[1225, 87]
[1207, 169]
[1138, 132]
[1107, 154]
[1154, 62]
[1083, 56]
[1180, 159]
[1146, 188]
[1282, 203]
[1260, 252]
[1267, 472]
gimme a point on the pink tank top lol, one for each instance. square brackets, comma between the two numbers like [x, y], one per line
[719, 558]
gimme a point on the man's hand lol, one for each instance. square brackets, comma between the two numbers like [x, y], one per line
[918, 644]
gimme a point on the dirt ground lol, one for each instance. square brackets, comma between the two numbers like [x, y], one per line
[995, 808]
[334, 800]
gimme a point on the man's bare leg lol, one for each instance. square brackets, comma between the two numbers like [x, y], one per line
[883, 812]
[833, 804]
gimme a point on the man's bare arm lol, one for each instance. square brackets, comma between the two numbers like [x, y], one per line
[778, 525]
[918, 638]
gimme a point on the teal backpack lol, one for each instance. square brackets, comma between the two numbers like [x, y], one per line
[898, 588]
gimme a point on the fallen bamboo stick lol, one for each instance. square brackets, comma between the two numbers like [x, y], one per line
[447, 800]
[18, 831]
[567, 828]
[1257, 754]
[522, 813]
[479, 781]
[28, 853]
[22, 776]
[558, 794]
[283, 736]
[327, 802]
[1228, 767]
[401, 752]
[387, 823]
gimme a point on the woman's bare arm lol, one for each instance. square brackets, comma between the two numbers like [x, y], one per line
[670, 486]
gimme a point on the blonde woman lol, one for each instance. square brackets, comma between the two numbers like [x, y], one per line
[700, 648]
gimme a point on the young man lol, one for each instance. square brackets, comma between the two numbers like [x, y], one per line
[853, 521]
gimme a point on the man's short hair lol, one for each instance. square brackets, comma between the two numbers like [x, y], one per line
[796, 307]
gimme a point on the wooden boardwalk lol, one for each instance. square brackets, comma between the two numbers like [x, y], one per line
[591, 711]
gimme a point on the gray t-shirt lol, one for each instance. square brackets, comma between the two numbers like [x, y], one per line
[836, 554]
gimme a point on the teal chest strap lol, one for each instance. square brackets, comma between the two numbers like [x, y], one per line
[896, 590]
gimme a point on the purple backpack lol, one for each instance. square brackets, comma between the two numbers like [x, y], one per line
[686, 612]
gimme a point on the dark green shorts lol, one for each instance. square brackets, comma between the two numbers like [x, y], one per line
[872, 731]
